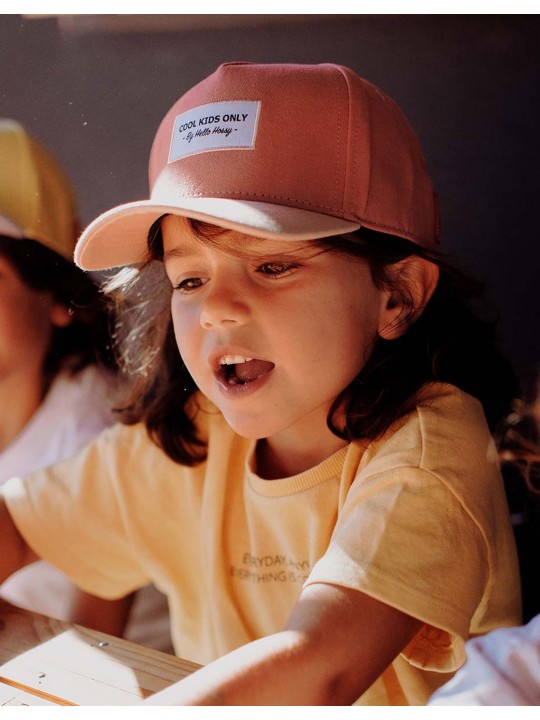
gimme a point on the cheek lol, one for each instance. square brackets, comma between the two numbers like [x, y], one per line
[351, 332]
[38, 326]
[25, 327]
[186, 329]
[7, 327]
[32, 308]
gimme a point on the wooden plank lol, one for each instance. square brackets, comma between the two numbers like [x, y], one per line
[75, 665]
[14, 693]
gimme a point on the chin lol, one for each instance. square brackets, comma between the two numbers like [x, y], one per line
[247, 431]
[251, 429]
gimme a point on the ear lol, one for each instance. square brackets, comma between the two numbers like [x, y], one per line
[60, 315]
[412, 283]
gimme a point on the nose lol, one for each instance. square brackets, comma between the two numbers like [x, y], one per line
[223, 305]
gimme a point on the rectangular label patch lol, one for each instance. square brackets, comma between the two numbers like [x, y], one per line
[217, 126]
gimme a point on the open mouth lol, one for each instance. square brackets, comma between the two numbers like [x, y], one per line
[239, 370]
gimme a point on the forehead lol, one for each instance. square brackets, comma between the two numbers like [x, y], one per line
[181, 239]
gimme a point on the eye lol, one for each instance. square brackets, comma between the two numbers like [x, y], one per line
[189, 285]
[277, 269]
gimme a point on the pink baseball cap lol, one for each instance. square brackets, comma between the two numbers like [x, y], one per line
[281, 151]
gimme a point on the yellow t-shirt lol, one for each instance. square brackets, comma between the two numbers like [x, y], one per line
[418, 520]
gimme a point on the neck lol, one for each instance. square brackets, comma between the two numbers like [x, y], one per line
[21, 395]
[286, 456]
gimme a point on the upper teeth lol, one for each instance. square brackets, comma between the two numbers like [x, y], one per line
[233, 359]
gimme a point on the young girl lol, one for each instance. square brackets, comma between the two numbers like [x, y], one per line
[311, 479]
[56, 364]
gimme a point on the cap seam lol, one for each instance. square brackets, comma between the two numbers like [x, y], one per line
[370, 150]
[337, 168]
[349, 187]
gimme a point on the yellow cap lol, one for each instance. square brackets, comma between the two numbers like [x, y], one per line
[36, 198]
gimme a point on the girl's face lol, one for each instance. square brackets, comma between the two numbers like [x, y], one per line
[271, 331]
[26, 317]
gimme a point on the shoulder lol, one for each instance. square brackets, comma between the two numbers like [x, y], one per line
[84, 396]
[83, 382]
[75, 410]
[443, 458]
[444, 408]
[446, 432]
[126, 444]
[135, 442]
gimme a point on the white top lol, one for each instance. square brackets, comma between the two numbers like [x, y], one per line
[74, 411]
[502, 668]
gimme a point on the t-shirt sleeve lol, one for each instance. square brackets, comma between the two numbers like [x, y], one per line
[72, 515]
[404, 538]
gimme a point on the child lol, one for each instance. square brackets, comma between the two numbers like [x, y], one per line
[56, 364]
[311, 478]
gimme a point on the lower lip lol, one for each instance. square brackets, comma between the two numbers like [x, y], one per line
[234, 390]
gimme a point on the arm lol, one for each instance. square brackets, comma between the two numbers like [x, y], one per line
[108, 616]
[336, 643]
[15, 552]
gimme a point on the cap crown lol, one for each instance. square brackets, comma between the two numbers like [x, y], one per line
[35, 194]
[323, 140]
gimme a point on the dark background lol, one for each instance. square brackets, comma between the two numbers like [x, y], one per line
[94, 88]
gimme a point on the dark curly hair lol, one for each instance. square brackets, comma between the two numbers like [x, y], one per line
[450, 342]
[86, 340]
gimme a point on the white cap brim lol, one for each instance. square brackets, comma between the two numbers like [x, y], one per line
[120, 236]
[7, 227]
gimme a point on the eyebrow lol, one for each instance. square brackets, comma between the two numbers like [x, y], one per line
[177, 252]
[187, 250]
[243, 244]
